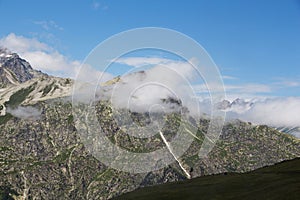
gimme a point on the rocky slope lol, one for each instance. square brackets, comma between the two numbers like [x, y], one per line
[43, 157]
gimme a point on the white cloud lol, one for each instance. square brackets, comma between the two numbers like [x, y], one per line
[48, 25]
[229, 77]
[87, 74]
[241, 89]
[284, 82]
[143, 61]
[27, 112]
[249, 88]
[275, 112]
[96, 6]
[142, 91]
[23, 44]
[40, 55]
[297, 134]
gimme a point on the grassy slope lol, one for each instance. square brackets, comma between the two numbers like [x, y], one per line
[281, 181]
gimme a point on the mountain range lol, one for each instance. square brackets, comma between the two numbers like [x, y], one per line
[42, 155]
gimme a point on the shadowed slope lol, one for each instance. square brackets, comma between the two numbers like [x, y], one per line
[281, 181]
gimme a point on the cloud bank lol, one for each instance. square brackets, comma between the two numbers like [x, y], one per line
[153, 88]
[133, 89]
[276, 112]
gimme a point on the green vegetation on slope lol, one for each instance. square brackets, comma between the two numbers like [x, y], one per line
[18, 97]
[5, 118]
[281, 181]
[47, 89]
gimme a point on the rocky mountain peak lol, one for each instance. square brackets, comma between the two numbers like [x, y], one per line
[14, 70]
[21, 85]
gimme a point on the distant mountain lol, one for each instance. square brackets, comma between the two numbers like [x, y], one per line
[281, 181]
[238, 105]
[42, 155]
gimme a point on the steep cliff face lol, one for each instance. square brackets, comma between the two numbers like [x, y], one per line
[42, 155]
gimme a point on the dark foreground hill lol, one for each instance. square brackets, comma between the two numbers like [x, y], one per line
[281, 181]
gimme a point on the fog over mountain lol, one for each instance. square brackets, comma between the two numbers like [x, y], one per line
[273, 111]
[279, 112]
[276, 112]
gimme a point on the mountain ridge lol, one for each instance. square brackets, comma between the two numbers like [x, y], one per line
[44, 157]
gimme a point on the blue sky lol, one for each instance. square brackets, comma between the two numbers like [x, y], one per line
[254, 42]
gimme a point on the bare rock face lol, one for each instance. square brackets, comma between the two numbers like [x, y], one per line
[14, 69]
